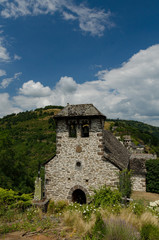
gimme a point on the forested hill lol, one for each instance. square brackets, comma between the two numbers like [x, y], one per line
[141, 133]
[27, 139]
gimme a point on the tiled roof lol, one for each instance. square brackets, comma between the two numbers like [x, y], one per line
[79, 110]
[114, 151]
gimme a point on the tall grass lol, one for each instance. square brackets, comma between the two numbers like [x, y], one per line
[76, 221]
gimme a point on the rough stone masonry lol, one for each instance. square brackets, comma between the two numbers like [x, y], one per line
[87, 156]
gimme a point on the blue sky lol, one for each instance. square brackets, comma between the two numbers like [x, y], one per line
[104, 52]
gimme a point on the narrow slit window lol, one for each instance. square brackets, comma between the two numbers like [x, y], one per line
[85, 130]
[72, 131]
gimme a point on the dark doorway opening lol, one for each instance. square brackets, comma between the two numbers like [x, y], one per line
[79, 196]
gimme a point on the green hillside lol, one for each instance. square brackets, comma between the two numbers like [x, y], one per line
[27, 140]
[141, 133]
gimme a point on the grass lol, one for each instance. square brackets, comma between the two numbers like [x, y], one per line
[87, 222]
[136, 195]
[146, 197]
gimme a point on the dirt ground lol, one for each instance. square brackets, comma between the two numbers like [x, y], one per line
[48, 235]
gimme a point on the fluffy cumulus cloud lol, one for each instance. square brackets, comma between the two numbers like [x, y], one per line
[33, 89]
[127, 92]
[90, 20]
[66, 85]
[6, 106]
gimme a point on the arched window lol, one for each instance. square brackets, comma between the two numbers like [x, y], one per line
[72, 130]
[85, 130]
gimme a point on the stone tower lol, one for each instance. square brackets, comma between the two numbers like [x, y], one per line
[86, 157]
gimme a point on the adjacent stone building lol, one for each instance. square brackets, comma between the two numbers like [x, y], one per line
[87, 156]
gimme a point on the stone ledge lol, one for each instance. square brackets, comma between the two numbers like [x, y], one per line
[42, 204]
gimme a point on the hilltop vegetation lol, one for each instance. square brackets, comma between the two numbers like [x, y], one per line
[27, 140]
[141, 133]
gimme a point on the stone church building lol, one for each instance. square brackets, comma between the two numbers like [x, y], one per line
[87, 156]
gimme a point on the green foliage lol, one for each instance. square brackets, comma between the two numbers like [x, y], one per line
[85, 209]
[51, 207]
[104, 196]
[99, 229]
[152, 177]
[31, 213]
[149, 231]
[112, 229]
[125, 184]
[27, 139]
[141, 133]
[11, 199]
[57, 207]
[137, 207]
[29, 221]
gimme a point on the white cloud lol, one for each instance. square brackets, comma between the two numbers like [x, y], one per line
[2, 73]
[6, 106]
[128, 92]
[68, 16]
[90, 20]
[16, 57]
[33, 89]
[66, 85]
[4, 55]
[6, 81]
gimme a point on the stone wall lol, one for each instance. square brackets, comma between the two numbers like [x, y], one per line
[139, 182]
[78, 163]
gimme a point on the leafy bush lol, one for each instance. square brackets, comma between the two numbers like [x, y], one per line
[99, 229]
[137, 207]
[85, 209]
[149, 232]
[152, 177]
[106, 197]
[57, 207]
[11, 199]
[125, 184]
[51, 207]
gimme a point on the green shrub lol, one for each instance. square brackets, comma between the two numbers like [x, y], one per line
[85, 209]
[31, 213]
[11, 199]
[125, 184]
[60, 206]
[51, 207]
[57, 207]
[152, 177]
[99, 230]
[137, 207]
[149, 232]
[106, 197]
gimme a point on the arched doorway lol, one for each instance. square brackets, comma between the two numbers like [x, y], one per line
[79, 196]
